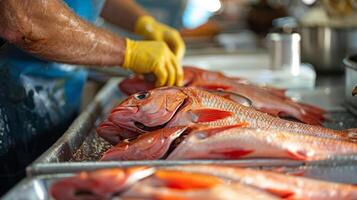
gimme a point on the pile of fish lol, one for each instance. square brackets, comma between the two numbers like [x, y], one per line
[206, 119]
[196, 182]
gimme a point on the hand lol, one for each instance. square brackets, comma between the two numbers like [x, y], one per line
[155, 57]
[153, 30]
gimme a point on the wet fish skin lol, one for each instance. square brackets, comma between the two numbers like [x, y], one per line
[174, 106]
[99, 184]
[172, 184]
[234, 143]
[113, 133]
[149, 146]
[155, 109]
[266, 99]
[285, 186]
[157, 184]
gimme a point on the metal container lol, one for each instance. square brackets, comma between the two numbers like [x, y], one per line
[37, 188]
[284, 51]
[325, 40]
[325, 47]
[80, 148]
[351, 83]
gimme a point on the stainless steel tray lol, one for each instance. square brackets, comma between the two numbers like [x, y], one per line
[80, 147]
[36, 188]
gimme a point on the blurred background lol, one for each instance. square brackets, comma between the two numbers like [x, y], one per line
[293, 44]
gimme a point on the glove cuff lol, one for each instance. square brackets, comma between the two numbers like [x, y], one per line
[128, 53]
[144, 25]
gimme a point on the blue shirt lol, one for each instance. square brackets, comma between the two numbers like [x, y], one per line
[37, 95]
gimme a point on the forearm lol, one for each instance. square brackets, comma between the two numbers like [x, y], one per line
[123, 13]
[50, 30]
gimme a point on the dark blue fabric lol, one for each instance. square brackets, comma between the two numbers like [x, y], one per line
[38, 99]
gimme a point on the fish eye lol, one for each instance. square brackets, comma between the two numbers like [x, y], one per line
[141, 95]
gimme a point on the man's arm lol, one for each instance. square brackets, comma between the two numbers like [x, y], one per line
[123, 13]
[50, 30]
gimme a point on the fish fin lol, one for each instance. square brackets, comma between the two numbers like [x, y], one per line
[185, 180]
[285, 194]
[209, 115]
[232, 154]
[297, 155]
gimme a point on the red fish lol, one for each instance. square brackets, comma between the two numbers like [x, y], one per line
[285, 186]
[150, 183]
[113, 133]
[150, 146]
[195, 182]
[100, 184]
[177, 185]
[171, 106]
[265, 99]
[235, 143]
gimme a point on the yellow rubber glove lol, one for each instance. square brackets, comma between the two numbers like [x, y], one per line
[154, 30]
[143, 57]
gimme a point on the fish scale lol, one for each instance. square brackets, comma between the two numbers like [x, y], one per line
[285, 186]
[235, 143]
[255, 118]
[265, 99]
[191, 106]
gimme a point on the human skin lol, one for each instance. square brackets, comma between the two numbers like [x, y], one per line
[114, 11]
[50, 30]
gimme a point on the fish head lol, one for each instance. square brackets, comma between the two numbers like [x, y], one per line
[149, 110]
[99, 184]
[113, 133]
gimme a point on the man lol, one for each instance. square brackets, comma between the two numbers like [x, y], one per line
[39, 96]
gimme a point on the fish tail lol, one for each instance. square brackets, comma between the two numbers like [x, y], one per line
[312, 119]
[352, 134]
[305, 117]
[312, 114]
[349, 135]
[313, 109]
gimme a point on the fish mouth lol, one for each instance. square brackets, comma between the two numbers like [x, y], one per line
[176, 142]
[144, 128]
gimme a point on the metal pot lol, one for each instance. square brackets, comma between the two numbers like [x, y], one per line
[325, 47]
[351, 82]
[322, 45]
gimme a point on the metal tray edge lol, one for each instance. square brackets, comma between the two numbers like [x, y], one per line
[71, 133]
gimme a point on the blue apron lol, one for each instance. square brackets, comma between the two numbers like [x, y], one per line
[38, 99]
